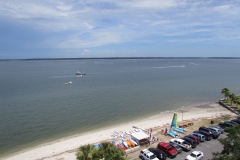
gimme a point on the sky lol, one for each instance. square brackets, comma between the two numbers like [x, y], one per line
[123, 28]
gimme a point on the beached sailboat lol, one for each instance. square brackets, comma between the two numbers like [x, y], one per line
[174, 124]
[174, 127]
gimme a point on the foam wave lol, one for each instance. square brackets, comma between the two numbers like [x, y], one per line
[61, 76]
[194, 63]
[102, 63]
[171, 67]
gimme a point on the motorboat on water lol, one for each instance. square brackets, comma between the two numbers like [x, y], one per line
[68, 82]
[80, 74]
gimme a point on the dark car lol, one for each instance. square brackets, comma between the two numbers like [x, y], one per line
[194, 138]
[236, 120]
[190, 141]
[214, 134]
[231, 122]
[205, 129]
[159, 153]
[207, 135]
[177, 147]
[225, 125]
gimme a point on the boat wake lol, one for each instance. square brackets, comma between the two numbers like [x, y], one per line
[171, 67]
[62, 76]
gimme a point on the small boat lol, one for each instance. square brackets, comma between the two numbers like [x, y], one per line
[68, 82]
[124, 143]
[80, 74]
[130, 143]
[134, 142]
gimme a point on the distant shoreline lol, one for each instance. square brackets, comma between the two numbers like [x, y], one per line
[119, 58]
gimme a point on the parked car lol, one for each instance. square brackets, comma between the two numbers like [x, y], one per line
[159, 153]
[225, 125]
[177, 147]
[213, 133]
[205, 129]
[236, 120]
[199, 135]
[167, 149]
[190, 141]
[195, 155]
[207, 135]
[147, 155]
[217, 127]
[194, 138]
[231, 122]
[182, 143]
[216, 132]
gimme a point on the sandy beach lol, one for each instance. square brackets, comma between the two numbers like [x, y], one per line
[65, 149]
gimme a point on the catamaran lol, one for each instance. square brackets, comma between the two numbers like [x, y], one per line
[174, 124]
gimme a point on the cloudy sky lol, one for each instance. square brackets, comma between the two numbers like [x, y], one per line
[123, 28]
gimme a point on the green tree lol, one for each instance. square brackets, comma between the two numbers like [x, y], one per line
[226, 93]
[85, 152]
[231, 145]
[236, 101]
[111, 152]
[233, 97]
[106, 151]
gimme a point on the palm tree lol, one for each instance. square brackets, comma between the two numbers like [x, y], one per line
[226, 93]
[110, 152]
[233, 97]
[237, 101]
[85, 152]
[106, 151]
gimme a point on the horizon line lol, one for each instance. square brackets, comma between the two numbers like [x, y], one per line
[122, 58]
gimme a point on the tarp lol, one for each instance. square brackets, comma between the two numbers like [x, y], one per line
[140, 135]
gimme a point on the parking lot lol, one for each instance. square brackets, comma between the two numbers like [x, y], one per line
[207, 147]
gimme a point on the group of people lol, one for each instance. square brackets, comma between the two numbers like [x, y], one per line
[151, 138]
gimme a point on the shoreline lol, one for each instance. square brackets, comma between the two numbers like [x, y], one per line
[65, 148]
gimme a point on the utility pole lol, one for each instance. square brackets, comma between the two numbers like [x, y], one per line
[182, 113]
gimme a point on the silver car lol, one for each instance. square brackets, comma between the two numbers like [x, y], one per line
[200, 136]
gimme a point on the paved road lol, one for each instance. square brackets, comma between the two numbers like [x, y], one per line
[206, 147]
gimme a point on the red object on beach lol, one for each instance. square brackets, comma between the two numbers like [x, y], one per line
[121, 147]
[166, 148]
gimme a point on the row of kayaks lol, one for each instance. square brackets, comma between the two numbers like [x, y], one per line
[126, 144]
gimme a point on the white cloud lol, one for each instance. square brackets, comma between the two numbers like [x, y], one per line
[85, 24]
[86, 52]
[64, 7]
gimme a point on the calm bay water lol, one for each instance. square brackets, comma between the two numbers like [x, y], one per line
[36, 106]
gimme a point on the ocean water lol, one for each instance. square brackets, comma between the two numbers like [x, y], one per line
[36, 106]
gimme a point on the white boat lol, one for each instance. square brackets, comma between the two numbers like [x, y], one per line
[80, 74]
[68, 82]
[143, 129]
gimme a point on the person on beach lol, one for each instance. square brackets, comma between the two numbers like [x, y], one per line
[166, 130]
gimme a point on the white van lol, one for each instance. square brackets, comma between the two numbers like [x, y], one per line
[147, 155]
